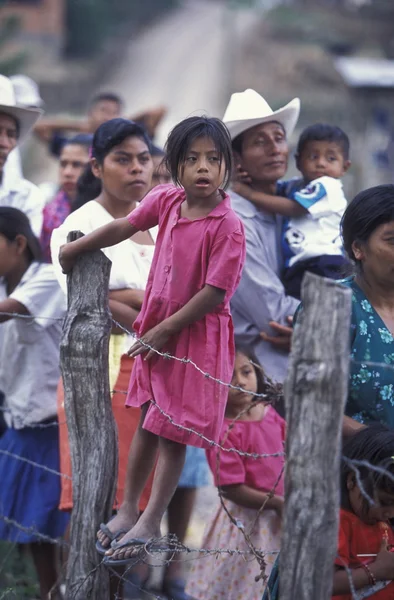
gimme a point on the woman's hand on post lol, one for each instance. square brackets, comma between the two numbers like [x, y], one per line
[152, 340]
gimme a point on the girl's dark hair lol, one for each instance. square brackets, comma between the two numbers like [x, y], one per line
[375, 445]
[188, 130]
[81, 139]
[107, 136]
[367, 211]
[14, 222]
[260, 375]
[114, 132]
[88, 188]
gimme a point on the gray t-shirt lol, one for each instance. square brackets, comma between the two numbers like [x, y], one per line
[260, 296]
[29, 348]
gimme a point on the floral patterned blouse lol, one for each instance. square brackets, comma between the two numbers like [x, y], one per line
[371, 392]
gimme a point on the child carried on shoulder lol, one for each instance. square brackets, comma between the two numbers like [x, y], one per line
[313, 211]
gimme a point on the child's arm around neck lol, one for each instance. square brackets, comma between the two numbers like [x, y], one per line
[272, 204]
[109, 235]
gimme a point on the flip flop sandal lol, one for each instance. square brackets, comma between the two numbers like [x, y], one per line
[112, 535]
[137, 543]
[174, 589]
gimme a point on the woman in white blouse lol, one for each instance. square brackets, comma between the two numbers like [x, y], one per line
[121, 160]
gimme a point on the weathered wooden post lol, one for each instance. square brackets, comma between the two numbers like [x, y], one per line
[315, 396]
[91, 425]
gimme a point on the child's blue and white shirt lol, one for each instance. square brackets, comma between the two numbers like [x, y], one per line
[318, 232]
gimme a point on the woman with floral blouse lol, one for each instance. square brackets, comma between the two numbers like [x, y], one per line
[368, 237]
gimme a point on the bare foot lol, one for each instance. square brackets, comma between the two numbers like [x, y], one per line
[126, 518]
[141, 532]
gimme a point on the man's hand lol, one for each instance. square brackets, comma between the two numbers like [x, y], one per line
[284, 334]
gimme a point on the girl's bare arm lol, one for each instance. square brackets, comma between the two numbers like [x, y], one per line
[201, 304]
[131, 297]
[246, 496]
[12, 308]
[123, 314]
[109, 235]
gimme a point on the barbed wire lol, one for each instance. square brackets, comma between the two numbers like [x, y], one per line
[178, 548]
[34, 464]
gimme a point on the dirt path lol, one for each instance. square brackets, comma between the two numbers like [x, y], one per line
[181, 62]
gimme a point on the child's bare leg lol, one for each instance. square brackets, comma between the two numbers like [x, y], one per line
[167, 474]
[44, 557]
[179, 513]
[142, 456]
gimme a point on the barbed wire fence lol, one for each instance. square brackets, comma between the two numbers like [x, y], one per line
[150, 552]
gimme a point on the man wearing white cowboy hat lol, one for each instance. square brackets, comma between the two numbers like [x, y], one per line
[15, 123]
[27, 96]
[260, 147]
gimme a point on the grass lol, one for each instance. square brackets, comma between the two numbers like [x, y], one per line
[18, 580]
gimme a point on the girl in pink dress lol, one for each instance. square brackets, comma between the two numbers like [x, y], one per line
[245, 484]
[197, 264]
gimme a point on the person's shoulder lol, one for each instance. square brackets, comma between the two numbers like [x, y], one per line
[40, 271]
[325, 186]
[242, 207]
[167, 191]
[230, 216]
[86, 213]
[273, 416]
[348, 519]
[38, 280]
[289, 187]
[25, 187]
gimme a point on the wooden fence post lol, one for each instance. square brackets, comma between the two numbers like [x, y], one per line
[315, 397]
[90, 421]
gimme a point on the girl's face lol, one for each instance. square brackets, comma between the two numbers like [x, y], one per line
[202, 173]
[73, 159]
[382, 510]
[377, 255]
[244, 376]
[126, 173]
[11, 253]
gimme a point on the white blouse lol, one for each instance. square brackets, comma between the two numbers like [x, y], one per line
[131, 262]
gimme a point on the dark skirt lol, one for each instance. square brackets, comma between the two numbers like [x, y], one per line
[29, 495]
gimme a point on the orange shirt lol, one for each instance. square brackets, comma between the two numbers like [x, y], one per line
[356, 537]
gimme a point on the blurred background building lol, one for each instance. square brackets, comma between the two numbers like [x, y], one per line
[336, 55]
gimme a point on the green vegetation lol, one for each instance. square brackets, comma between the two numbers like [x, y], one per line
[13, 62]
[17, 575]
[91, 22]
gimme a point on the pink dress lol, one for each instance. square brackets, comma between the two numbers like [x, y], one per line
[233, 577]
[188, 255]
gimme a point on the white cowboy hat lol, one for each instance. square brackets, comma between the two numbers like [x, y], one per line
[26, 91]
[26, 117]
[248, 109]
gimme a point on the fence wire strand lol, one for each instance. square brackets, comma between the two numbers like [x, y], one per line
[177, 548]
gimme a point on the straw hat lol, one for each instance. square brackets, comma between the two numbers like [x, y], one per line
[26, 117]
[248, 109]
[26, 91]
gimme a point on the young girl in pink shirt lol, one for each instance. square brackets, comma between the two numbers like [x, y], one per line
[196, 268]
[254, 428]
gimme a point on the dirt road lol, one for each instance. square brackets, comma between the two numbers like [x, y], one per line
[183, 62]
